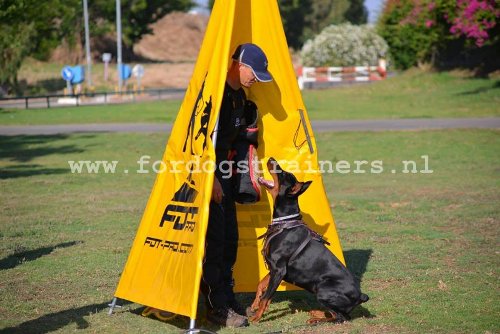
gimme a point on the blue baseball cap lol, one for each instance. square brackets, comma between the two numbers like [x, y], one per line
[252, 56]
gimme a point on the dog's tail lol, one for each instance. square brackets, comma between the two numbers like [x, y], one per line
[364, 298]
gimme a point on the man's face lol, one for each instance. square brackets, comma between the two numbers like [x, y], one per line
[247, 78]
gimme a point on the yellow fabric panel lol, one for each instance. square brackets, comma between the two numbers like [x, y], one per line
[282, 136]
[164, 266]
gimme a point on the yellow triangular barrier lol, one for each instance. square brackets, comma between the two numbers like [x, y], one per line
[164, 266]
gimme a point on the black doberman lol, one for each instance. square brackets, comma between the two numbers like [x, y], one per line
[296, 254]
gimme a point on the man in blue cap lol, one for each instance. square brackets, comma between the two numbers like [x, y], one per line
[249, 65]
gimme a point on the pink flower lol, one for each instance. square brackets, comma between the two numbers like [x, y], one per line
[429, 23]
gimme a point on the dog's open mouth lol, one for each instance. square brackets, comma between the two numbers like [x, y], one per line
[266, 183]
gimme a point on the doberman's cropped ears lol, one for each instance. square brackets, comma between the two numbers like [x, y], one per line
[303, 187]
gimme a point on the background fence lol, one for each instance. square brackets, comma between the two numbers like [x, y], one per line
[95, 98]
[308, 76]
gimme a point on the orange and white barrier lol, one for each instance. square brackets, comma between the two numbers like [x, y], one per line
[341, 74]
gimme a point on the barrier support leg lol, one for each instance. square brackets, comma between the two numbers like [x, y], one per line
[192, 323]
[112, 306]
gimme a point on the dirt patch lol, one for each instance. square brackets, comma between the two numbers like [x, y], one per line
[177, 37]
[167, 75]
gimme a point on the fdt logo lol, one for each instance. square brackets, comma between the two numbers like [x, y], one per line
[181, 211]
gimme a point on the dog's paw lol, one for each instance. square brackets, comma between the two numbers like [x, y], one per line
[255, 318]
[318, 316]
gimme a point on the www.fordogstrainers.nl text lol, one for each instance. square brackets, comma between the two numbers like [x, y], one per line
[228, 168]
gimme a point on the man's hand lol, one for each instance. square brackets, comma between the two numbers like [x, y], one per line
[217, 192]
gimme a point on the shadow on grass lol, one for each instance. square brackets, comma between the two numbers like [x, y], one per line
[26, 148]
[15, 171]
[19, 258]
[357, 261]
[180, 321]
[23, 149]
[496, 85]
[8, 111]
[54, 321]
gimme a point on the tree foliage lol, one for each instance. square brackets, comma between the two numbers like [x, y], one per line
[31, 27]
[316, 15]
[303, 19]
[420, 31]
[357, 12]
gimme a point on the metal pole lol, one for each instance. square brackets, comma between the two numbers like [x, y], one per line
[309, 143]
[112, 306]
[87, 43]
[119, 42]
[192, 323]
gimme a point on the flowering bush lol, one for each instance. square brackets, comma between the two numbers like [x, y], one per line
[417, 30]
[473, 19]
[344, 45]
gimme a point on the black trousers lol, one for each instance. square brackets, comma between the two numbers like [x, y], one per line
[221, 247]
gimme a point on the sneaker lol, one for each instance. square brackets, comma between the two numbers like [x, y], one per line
[226, 317]
[236, 307]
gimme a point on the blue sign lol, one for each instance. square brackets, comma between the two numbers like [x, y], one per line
[78, 74]
[125, 72]
[67, 73]
[73, 74]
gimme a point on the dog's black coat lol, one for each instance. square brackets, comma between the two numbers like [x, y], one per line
[314, 268]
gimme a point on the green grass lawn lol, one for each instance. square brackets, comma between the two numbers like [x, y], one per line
[163, 111]
[414, 94]
[425, 245]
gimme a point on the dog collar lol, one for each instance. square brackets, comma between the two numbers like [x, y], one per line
[280, 219]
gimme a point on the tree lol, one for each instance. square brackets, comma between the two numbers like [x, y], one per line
[294, 20]
[14, 45]
[357, 12]
[300, 27]
[303, 19]
[319, 14]
[26, 32]
[423, 31]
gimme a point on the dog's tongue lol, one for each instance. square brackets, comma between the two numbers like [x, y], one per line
[266, 183]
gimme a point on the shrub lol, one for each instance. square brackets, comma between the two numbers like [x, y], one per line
[344, 45]
[418, 30]
[473, 19]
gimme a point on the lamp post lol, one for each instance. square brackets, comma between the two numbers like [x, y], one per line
[119, 43]
[87, 43]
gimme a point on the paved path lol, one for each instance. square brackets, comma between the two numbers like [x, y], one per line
[318, 126]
